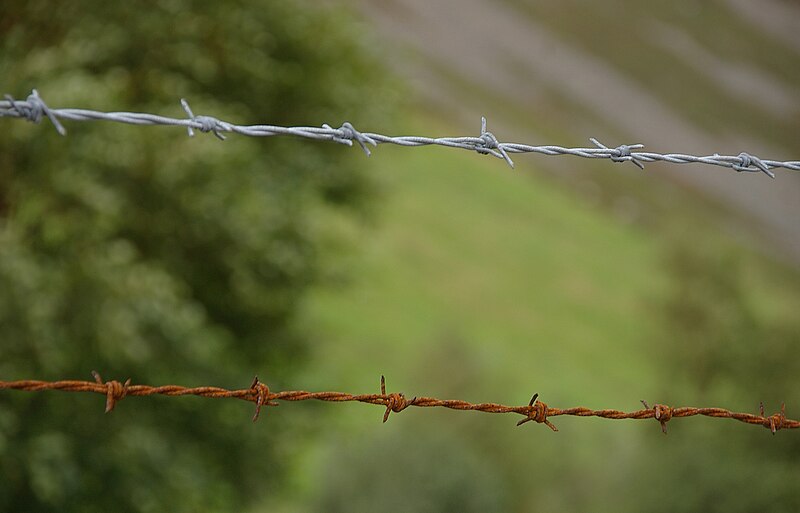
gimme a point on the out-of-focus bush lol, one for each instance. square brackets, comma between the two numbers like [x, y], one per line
[143, 253]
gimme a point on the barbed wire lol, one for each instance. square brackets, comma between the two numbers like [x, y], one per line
[260, 394]
[34, 108]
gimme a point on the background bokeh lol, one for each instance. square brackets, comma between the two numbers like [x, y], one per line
[143, 253]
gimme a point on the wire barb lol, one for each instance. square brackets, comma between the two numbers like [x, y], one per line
[486, 143]
[489, 145]
[395, 402]
[347, 133]
[621, 153]
[662, 413]
[748, 160]
[263, 396]
[775, 421]
[114, 390]
[537, 411]
[206, 123]
[33, 108]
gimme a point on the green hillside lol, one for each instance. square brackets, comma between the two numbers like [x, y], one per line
[480, 283]
[507, 264]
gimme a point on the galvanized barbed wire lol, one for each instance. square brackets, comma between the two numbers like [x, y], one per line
[34, 108]
[260, 394]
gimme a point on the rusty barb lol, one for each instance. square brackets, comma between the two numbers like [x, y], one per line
[537, 411]
[260, 394]
[261, 391]
[395, 402]
[114, 390]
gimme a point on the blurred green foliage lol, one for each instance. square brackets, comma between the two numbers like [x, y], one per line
[143, 253]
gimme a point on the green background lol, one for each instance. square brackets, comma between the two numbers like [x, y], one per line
[140, 252]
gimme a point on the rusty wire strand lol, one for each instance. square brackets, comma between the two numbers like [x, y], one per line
[260, 394]
[34, 109]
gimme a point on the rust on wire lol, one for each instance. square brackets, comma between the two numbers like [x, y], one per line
[260, 394]
[537, 411]
[663, 413]
[394, 402]
[114, 390]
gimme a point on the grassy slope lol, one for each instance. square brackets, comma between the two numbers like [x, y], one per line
[514, 269]
[481, 283]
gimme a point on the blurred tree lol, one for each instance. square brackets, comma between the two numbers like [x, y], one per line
[143, 253]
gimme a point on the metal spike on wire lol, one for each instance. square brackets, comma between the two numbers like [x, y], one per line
[260, 394]
[33, 108]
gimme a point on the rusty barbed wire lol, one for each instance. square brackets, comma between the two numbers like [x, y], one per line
[395, 402]
[34, 108]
